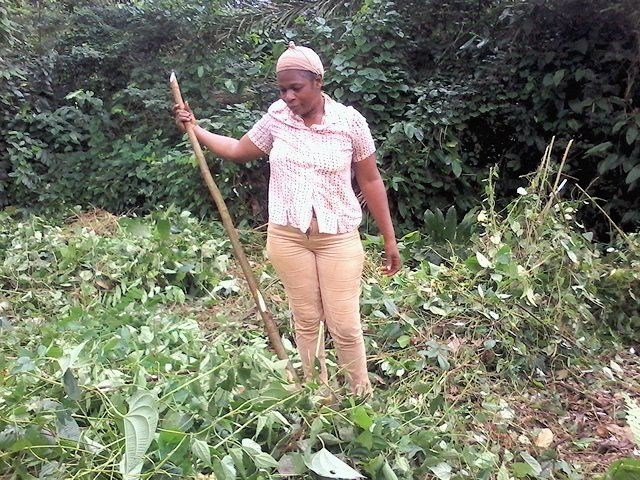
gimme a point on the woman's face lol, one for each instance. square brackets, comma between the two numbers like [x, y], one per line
[301, 91]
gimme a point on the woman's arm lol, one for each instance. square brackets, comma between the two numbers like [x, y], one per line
[375, 195]
[238, 151]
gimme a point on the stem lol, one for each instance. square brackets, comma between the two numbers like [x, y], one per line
[632, 246]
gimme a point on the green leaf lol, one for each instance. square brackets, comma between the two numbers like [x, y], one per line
[70, 357]
[573, 125]
[633, 174]
[361, 418]
[431, 222]
[450, 224]
[264, 461]
[536, 468]
[387, 472]
[163, 227]
[262, 422]
[251, 447]
[225, 469]
[230, 85]
[200, 71]
[409, 129]
[570, 253]
[326, 464]
[611, 161]
[260, 459]
[66, 426]
[437, 310]
[521, 469]
[201, 450]
[600, 148]
[140, 424]
[329, 439]
[456, 168]
[482, 260]
[632, 134]
[576, 105]
[146, 335]
[625, 469]
[582, 45]
[558, 76]
[71, 385]
[442, 471]
[391, 307]
[616, 128]
[365, 439]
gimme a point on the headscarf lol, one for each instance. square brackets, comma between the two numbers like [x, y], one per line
[300, 58]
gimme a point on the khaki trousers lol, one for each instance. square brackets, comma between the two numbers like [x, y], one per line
[321, 274]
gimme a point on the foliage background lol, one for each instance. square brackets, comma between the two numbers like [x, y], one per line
[508, 324]
[449, 89]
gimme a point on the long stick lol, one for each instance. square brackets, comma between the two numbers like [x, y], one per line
[269, 325]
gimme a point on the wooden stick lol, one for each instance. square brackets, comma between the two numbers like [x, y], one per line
[269, 324]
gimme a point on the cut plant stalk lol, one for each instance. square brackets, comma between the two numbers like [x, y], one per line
[269, 324]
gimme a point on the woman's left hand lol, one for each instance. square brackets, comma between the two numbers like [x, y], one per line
[392, 262]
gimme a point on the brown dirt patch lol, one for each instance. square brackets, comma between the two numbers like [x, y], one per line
[586, 413]
[101, 222]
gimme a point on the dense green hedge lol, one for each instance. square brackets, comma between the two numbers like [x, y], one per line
[449, 90]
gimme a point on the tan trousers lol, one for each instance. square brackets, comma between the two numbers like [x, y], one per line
[321, 274]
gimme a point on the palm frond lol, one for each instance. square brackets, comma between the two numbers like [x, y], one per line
[274, 15]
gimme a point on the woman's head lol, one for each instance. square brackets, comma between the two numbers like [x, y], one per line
[299, 73]
[300, 58]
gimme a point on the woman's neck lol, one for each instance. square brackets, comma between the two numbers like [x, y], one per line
[315, 115]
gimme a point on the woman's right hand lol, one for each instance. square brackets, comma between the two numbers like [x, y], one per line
[183, 116]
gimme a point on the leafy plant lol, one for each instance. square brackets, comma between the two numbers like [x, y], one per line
[85, 115]
[107, 322]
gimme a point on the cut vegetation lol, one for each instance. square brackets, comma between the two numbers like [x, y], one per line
[130, 349]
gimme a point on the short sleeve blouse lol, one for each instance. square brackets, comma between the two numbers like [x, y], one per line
[311, 166]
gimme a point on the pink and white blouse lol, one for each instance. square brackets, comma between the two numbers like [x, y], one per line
[311, 166]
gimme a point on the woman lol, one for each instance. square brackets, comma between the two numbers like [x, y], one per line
[313, 143]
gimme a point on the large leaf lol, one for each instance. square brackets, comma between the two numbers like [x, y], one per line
[224, 469]
[200, 449]
[536, 468]
[600, 148]
[70, 357]
[482, 260]
[70, 384]
[451, 224]
[442, 471]
[632, 134]
[140, 424]
[326, 464]
[633, 175]
[361, 418]
[625, 469]
[66, 426]
[260, 458]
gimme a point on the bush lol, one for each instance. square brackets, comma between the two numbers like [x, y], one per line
[449, 89]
